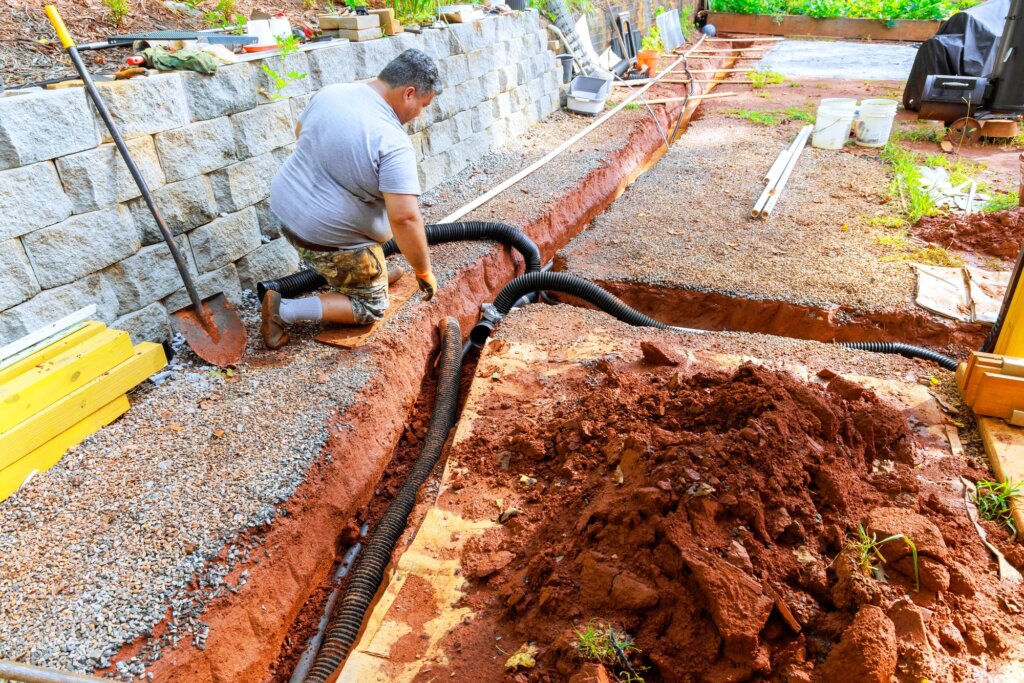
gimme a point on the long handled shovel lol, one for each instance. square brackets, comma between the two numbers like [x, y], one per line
[211, 326]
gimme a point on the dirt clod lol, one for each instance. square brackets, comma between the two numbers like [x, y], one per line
[867, 651]
[996, 234]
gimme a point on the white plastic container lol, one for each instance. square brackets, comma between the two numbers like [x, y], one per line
[874, 122]
[261, 29]
[832, 124]
[849, 103]
[587, 94]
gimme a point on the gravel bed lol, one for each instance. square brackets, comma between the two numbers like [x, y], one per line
[686, 224]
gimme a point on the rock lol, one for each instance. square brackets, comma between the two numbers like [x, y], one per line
[889, 521]
[97, 178]
[36, 126]
[482, 565]
[592, 673]
[777, 520]
[596, 576]
[951, 638]
[658, 354]
[910, 623]
[17, 281]
[853, 588]
[737, 556]
[933, 574]
[630, 593]
[22, 212]
[225, 240]
[961, 581]
[196, 149]
[866, 652]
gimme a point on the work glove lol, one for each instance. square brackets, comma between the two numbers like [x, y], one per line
[428, 284]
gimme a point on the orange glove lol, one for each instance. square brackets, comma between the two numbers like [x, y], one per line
[427, 283]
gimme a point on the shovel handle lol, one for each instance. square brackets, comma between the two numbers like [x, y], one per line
[58, 25]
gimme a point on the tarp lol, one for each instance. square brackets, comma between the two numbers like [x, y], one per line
[965, 45]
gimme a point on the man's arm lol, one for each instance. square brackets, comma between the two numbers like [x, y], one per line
[407, 226]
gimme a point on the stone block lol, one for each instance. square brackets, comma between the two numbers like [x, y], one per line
[281, 154]
[99, 177]
[490, 84]
[271, 260]
[270, 224]
[331, 64]
[196, 149]
[433, 171]
[51, 305]
[535, 88]
[419, 141]
[31, 197]
[263, 129]
[225, 240]
[17, 281]
[298, 105]
[80, 245]
[475, 147]
[483, 116]
[498, 133]
[480, 62]
[245, 183]
[464, 124]
[453, 70]
[502, 105]
[143, 106]
[221, 280]
[522, 73]
[520, 97]
[147, 276]
[150, 324]
[466, 37]
[36, 126]
[440, 137]
[372, 56]
[517, 124]
[507, 76]
[234, 88]
[184, 205]
[293, 71]
[433, 42]
[443, 106]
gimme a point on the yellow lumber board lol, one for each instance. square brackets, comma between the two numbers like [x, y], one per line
[1011, 337]
[28, 435]
[51, 380]
[50, 453]
[1004, 445]
[44, 354]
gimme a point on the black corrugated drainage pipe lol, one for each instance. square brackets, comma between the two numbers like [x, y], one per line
[368, 572]
[437, 233]
[905, 350]
[567, 284]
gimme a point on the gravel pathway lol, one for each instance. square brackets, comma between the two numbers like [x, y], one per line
[686, 224]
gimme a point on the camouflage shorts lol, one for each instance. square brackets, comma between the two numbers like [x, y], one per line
[360, 274]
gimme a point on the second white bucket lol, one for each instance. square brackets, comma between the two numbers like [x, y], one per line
[833, 122]
[874, 123]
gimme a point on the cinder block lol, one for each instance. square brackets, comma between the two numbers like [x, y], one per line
[142, 106]
[99, 177]
[31, 197]
[80, 245]
[17, 281]
[245, 183]
[263, 129]
[232, 89]
[147, 276]
[184, 205]
[331, 64]
[270, 224]
[150, 324]
[271, 260]
[36, 126]
[294, 69]
[53, 304]
[225, 240]
[196, 149]
[221, 280]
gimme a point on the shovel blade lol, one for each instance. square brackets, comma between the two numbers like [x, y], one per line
[218, 336]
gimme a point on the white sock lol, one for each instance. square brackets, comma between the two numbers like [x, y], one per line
[302, 310]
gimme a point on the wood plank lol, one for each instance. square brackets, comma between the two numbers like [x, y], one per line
[1005, 448]
[47, 349]
[48, 382]
[354, 336]
[695, 98]
[30, 434]
[833, 27]
[49, 454]
[47, 331]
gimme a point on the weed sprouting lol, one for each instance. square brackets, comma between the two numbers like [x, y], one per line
[993, 499]
[1003, 202]
[771, 117]
[118, 9]
[888, 222]
[906, 182]
[760, 79]
[601, 643]
[869, 553]
[285, 46]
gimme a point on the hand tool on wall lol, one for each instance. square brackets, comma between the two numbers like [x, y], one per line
[211, 326]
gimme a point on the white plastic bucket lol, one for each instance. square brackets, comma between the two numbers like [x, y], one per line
[832, 126]
[874, 122]
[849, 103]
[261, 29]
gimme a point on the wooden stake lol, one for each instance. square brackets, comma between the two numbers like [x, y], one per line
[694, 98]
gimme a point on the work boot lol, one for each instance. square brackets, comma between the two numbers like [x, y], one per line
[275, 335]
[395, 271]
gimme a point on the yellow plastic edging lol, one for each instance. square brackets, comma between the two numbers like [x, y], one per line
[48, 382]
[44, 354]
[50, 453]
[26, 436]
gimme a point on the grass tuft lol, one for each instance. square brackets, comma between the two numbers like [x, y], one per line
[993, 500]
[869, 553]
[772, 117]
[1003, 202]
[118, 9]
[760, 79]
[906, 182]
[601, 643]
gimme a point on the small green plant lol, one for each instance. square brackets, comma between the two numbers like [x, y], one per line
[760, 79]
[771, 117]
[224, 16]
[421, 12]
[869, 553]
[960, 170]
[889, 222]
[1002, 202]
[884, 10]
[285, 46]
[906, 182]
[601, 643]
[993, 500]
[918, 132]
[118, 9]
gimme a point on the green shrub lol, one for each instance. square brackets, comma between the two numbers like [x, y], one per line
[886, 10]
[118, 10]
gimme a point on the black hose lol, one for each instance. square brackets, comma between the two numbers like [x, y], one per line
[557, 282]
[437, 233]
[905, 350]
[368, 572]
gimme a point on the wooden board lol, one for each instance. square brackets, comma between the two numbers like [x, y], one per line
[32, 433]
[832, 27]
[50, 453]
[1005, 448]
[354, 336]
[46, 383]
[49, 349]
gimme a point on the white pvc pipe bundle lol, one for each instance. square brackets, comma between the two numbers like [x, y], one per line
[778, 174]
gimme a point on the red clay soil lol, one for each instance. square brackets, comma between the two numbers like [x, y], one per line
[998, 234]
[699, 516]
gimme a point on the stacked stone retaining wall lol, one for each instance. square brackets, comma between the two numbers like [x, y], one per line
[74, 230]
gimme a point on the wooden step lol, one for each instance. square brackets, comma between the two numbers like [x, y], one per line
[51, 350]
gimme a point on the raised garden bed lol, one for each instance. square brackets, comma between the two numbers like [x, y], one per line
[838, 27]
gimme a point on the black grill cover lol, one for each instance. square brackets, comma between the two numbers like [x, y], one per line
[966, 45]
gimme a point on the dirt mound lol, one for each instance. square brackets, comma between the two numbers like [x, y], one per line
[700, 515]
[996, 234]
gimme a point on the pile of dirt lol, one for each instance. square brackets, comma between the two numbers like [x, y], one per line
[998, 234]
[707, 518]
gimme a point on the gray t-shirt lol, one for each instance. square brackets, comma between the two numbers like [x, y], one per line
[352, 149]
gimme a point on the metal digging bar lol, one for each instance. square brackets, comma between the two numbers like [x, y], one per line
[212, 328]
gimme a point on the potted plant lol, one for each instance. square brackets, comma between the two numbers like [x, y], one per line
[651, 46]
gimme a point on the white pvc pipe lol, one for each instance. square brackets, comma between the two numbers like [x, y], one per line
[26, 673]
[771, 178]
[501, 187]
[770, 206]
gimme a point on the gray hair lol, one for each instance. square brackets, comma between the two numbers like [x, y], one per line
[414, 68]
